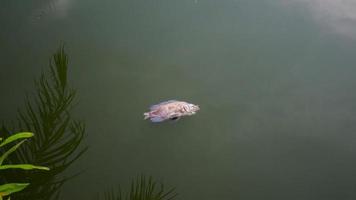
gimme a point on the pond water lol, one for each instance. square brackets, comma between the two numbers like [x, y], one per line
[275, 81]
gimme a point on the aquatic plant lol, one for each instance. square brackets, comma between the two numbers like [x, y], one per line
[142, 189]
[10, 188]
[58, 137]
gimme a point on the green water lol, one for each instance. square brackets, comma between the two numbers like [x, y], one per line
[275, 81]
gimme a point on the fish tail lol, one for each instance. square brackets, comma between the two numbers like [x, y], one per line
[146, 115]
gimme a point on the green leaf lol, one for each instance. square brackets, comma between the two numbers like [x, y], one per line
[143, 189]
[10, 188]
[23, 166]
[8, 152]
[16, 137]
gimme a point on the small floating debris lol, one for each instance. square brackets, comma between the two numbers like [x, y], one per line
[170, 110]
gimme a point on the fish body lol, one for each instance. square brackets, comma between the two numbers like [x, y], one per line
[170, 110]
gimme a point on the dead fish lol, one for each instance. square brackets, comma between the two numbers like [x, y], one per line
[170, 110]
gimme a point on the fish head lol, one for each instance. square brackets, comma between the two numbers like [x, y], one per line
[193, 108]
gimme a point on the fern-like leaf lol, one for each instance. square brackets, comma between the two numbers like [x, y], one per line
[58, 135]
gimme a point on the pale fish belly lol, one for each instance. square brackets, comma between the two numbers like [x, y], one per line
[170, 110]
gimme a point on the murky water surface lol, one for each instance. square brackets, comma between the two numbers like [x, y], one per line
[275, 81]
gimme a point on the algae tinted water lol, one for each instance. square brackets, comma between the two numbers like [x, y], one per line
[274, 81]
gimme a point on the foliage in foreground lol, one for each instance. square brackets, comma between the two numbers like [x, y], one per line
[10, 188]
[143, 189]
[58, 136]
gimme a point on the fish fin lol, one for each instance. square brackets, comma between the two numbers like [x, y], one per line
[146, 115]
[157, 119]
[166, 102]
[154, 107]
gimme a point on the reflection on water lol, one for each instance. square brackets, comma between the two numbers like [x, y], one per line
[53, 9]
[340, 15]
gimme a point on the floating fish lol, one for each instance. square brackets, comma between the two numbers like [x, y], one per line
[170, 110]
